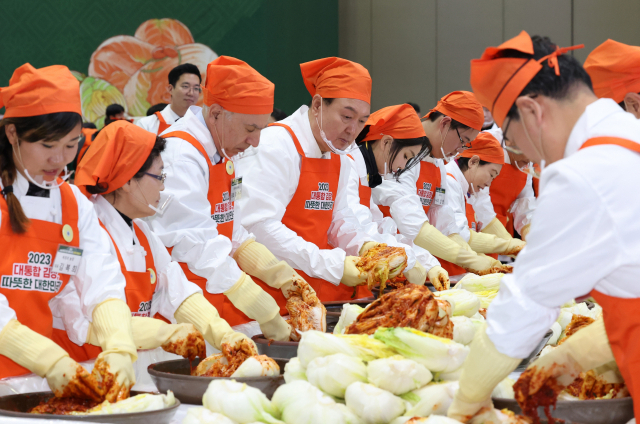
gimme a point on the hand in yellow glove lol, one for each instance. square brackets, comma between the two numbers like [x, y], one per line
[585, 350]
[113, 369]
[45, 358]
[257, 304]
[524, 232]
[416, 275]
[235, 338]
[483, 369]
[496, 228]
[181, 339]
[352, 276]
[439, 277]
[488, 243]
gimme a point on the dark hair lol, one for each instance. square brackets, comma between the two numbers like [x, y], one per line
[463, 163]
[50, 127]
[455, 125]
[158, 148]
[398, 144]
[156, 108]
[415, 106]
[278, 115]
[185, 68]
[546, 82]
[89, 125]
[113, 110]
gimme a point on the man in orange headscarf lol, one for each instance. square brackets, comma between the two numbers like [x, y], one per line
[585, 239]
[295, 185]
[200, 225]
[614, 69]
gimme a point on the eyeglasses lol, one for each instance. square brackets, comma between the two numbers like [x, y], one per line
[160, 177]
[511, 149]
[465, 145]
[188, 88]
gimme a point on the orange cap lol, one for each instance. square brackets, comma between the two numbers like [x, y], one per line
[487, 148]
[33, 92]
[614, 69]
[336, 78]
[399, 122]
[115, 156]
[463, 107]
[237, 87]
[498, 81]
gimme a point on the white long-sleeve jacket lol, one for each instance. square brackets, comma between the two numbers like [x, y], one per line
[372, 219]
[99, 277]
[270, 179]
[172, 285]
[586, 234]
[151, 123]
[187, 225]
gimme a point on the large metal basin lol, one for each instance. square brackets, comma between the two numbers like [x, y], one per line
[176, 376]
[16, 406]
[275, 349]
[610, 411]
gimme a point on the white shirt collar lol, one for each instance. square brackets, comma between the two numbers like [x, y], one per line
[301, 126]
[594, 113]
[20, 185]
[454, 169]
[193, 123]
[169, 115]
[507, 159]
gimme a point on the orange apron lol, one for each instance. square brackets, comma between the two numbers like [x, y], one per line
[452, 268]
[364, 191]
[27, 279]
[621, 318]
[163, 124]
[309, 214]
[504, 190]
[222, 213]
[139, 292]
[429, 179]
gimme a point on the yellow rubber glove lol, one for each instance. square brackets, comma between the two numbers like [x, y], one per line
[488, 243]
[113, 369]
[416, 275]
[256, 260]
[585, 350]
[203, 315]
[45, 358]
[366, 246]
[483, 369]
[181, 339]
[352, 276]
[496, 228]
[257, 304]
[524, 232]
[429, 238]
[439, 277]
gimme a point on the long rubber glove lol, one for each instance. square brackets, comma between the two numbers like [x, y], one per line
[352, 276]
[483, 369]
[255, 259]
[524, 232]
[587, 349]
[257, 304]
[429, 238]
[418, 274]
[439, 277]
[45, 358]
[203, 315]
[111, 327]
[488, 243]
[496, 228]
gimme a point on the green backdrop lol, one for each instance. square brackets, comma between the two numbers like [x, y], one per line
[273, 36]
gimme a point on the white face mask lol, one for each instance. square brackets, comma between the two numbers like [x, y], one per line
[324, 138]
[543, 163]
[165, 200]
[47, 185]
[224, 153]
[444, 155]
[529, 169]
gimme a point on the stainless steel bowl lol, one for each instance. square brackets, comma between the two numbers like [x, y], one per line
[610, 411]
[176, 376]
[275, 349]
[532, 356]
[16, 406]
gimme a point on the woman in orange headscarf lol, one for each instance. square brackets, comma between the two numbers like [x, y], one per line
[51, 237]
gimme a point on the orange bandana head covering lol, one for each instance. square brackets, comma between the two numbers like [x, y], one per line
[336, 78]
[33, 92]
[614, 69]
[116, 155]
[487, 148]
[498, 81]
[399, 122]
[461, 106]
[237, 87]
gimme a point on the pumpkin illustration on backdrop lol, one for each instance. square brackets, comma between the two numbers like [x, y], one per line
[138, 67]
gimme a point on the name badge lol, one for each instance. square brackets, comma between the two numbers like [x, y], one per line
[236, 189]
[67, 260]
[439, 200]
